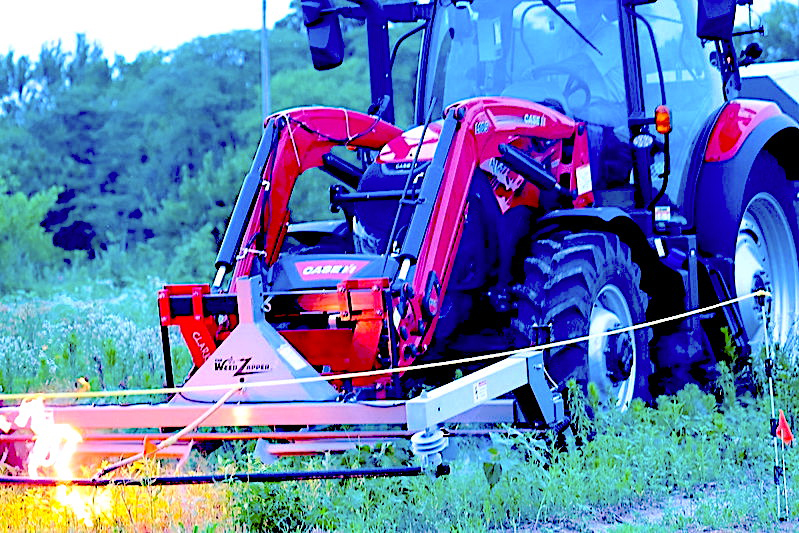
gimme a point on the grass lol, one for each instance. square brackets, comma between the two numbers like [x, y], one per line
[192, 508]
[691, 462]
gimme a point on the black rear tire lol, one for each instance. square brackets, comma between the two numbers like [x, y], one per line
[581, 284]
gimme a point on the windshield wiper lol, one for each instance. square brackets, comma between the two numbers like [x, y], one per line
[551, 6]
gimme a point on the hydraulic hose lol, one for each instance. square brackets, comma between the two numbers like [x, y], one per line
[244, 477]
[246, 201]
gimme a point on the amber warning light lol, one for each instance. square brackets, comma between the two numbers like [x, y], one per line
[663, 119]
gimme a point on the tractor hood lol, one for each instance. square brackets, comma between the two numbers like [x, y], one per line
[402, 149]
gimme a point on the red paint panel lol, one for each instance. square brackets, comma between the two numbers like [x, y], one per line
[199, 337]
[736, 121]
[403, 148]
[486, 123]
[330, 347]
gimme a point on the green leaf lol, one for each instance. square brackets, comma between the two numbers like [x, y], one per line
[493, 473]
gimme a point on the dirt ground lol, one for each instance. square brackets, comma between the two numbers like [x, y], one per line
[701, 511]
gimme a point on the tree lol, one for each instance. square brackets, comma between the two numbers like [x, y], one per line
[190, 225]
[25, 249]
[138, 150]
[781, 39]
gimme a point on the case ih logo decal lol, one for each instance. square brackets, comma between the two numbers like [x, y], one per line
[535, 120]
[313, 270]
[240, 367]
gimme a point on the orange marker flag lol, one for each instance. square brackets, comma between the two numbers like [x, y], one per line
[784, 430]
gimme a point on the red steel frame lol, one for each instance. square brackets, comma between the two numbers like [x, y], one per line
[736, 122]
[484, 124]
[306, 134]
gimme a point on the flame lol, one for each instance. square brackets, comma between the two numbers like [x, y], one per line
[53, 448]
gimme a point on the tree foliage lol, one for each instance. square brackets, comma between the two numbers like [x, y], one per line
[115, 157]
[26, 251]
[153, 150]
[782, 32]
[781, 26]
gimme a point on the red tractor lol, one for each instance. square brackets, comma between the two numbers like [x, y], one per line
[576, 168]
[546, 193]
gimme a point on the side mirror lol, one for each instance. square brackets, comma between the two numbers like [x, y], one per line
[324, 33]
[715, 19]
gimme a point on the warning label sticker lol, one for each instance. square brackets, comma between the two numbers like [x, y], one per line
[480, 391]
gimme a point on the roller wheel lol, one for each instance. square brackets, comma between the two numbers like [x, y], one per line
[587, 284]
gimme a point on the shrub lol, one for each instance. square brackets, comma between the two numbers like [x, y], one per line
[26, 250]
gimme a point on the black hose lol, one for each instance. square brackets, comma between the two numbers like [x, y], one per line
[243, 477]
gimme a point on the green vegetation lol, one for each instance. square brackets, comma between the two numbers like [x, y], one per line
[24, 245]
[693, 461]
[144, 159]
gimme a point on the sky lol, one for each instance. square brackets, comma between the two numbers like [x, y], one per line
[126, 28]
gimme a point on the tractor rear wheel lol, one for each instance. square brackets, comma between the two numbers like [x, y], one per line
[582, 284]
[758, 229]
[766, 253]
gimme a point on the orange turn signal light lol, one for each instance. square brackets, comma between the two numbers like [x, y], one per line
[663, 119]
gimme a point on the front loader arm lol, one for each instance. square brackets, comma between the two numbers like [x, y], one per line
[473, 132]
[298, 139]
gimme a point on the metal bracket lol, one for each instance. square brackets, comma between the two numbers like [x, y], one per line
[524, 370]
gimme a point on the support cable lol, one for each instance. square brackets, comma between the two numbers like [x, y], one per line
[380, 372]
[173, 438]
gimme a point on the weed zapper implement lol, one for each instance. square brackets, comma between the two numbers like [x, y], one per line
[471, 400]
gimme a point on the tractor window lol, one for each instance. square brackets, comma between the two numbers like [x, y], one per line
[528, 50]
[693, 89]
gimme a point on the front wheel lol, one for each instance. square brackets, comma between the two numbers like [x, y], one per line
[581, 284]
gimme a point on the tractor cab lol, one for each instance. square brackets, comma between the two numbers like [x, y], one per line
[593, 60]
[606, 63]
